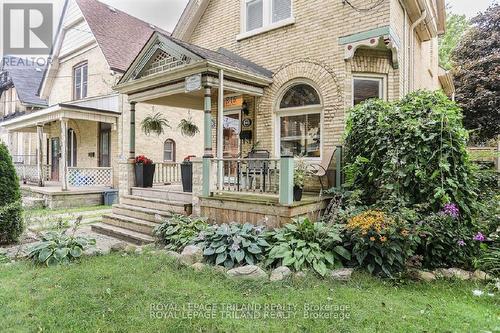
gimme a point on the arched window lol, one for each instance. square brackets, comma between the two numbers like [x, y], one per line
[169, 150]
[71, 148]
[299, 121]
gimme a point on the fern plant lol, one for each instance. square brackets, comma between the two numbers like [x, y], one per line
[154, 124]
[188, 127]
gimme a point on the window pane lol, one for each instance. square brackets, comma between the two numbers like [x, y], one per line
[365, 89]
[168, 151]
[78, 83]
[255, 14]
[84, 81]
[282, 9]
[300, 95]
[301, 134]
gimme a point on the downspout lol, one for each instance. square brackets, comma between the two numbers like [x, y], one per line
[411, 50]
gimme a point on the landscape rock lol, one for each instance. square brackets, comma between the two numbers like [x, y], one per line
[220, 269]
[173, 254]
[191, 255]
[342, 274]
[280, 274]
[250, 272]
[118, 247]
[450, 273]
[92, 252]
[424, 276]
[481, 276]
[130, 248]
[300, 275]
[198, 266]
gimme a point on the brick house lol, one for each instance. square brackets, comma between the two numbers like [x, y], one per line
[274, 79]
[80, 129]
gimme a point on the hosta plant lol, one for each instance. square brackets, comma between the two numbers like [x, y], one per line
[380, 243]
[179, 231]
[304, 244]
[232, 245]
[58, 247]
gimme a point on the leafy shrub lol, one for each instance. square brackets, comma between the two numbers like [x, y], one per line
[489, 261]
[343, 205]
[411, 152]
[380, 243]
[304, 244]
[446, 241]
[179, 231]
[233, 245]
[57, 247]
[11, 222]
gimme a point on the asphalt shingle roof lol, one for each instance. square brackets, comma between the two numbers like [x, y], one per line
[26, 77]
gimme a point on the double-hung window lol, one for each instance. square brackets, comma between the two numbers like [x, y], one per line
[80, 79]
[169, 150]
[264, 15]
[366, 87]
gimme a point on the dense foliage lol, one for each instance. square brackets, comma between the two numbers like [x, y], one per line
[304, 244]
[456, 26]
[179, 231]
[489, 261]
[11, 221]
[476, 63]
[380, 243]
[59, 247]
[233, 245]
[410, 153]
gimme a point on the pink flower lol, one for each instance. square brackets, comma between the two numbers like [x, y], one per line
[479, 237]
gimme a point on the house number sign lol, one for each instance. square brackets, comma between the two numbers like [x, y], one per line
[246, 122]
[193, 83]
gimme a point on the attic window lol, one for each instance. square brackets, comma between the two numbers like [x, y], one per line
[264, 15]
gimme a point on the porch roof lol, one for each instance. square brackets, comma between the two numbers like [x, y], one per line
[28, 122]
[186, 60]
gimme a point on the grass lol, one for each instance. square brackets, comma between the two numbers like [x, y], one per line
[116, 294]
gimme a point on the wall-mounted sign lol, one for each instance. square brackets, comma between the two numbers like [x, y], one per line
[246, 122]
[193, 83]
[233, 102]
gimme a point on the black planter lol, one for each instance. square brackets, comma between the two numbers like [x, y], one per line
[144, 174]
[297, 193]
[187, 176]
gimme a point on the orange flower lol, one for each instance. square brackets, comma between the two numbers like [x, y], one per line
[383, 239]
[372, 239]
[405, 233]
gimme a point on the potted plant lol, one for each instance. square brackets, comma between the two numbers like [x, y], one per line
[187, 174]
[144, 171]
[299, 176]
[154, 124]
[188, 127]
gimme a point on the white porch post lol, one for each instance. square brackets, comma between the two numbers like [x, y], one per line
[64, 149]
[207, 142]
[220, 131]
[131, 155]
[39, 154]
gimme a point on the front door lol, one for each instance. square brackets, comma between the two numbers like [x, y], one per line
[231, 147]
[105, 145]
[55, 150]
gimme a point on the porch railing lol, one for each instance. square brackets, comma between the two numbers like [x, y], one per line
[29, 172]
[167, 173]
[253, 175]
[24, 159]
[87, 177]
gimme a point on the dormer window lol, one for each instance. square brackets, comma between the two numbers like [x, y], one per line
[80, 79]
[263, 15]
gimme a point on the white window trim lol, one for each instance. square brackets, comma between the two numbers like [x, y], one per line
[372, 77]
[80, 68]
[297, 111]
[172, 142]
[267, 24]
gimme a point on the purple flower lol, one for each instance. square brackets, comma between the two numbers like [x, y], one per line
[451, 210]
[479, 237]
[461, 243]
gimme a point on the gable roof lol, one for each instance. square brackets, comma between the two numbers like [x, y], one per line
[119, 35]
[26, 77]
[189, 19]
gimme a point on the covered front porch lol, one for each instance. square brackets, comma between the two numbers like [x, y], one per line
[234, 181]
[74, 145]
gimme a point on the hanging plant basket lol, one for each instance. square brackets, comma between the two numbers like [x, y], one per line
[154, 124]
[188, 127]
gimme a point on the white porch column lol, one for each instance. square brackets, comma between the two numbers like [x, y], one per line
[39, 154]
[220, 130]
[64, 150]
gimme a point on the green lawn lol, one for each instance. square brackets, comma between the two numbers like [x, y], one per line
[116, 294]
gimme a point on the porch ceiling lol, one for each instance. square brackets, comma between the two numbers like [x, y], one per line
[29, 122]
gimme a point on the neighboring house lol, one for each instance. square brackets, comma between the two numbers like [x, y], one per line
[95, 44]
[19, 82]
[278, 75]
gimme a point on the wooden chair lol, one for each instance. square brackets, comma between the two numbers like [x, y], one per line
[320, 169]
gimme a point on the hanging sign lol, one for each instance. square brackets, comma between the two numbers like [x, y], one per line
[233, 102]
[193, 83]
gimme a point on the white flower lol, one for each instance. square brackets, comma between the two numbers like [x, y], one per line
[477, 293]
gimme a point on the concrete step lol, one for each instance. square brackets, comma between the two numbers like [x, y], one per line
[123, 234]
[140, 213]
[160, 205]
[130, 223]
[169, 195]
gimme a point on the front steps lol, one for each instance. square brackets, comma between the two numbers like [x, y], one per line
[135, 217]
